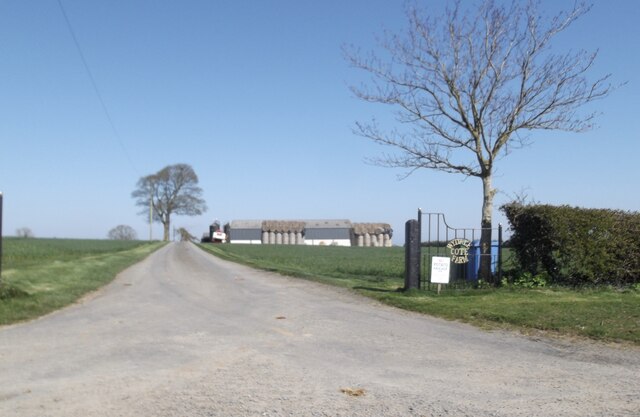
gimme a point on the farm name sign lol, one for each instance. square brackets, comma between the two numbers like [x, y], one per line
[459, 250]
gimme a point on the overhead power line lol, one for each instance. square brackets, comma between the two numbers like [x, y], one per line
[95, 87]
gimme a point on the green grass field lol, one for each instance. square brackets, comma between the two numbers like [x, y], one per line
[42, 275]
[601, 314]
[365, 264]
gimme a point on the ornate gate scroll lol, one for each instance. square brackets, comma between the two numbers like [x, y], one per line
[461, 245]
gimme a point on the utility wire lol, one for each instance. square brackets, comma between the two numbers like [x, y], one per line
[95, 87]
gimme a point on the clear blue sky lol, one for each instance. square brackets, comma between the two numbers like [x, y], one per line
[254, 95]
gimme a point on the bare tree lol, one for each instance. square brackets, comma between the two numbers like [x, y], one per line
[24, 232]
[468, 87]
[185, 236]
[122, 232]
[172, 190]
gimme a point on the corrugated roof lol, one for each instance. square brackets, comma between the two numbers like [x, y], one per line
[328, 224]
[246, 224]
[292, 224]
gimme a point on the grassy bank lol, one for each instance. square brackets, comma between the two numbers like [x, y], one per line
[43, 275]
[602, 314]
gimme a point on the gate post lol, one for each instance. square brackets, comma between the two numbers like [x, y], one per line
[412, 255]
[0, 240]
[499, 254]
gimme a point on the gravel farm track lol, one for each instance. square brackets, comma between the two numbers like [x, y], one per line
[184, 333]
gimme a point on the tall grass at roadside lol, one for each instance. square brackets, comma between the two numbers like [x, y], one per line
[598, 313]
[42, 275]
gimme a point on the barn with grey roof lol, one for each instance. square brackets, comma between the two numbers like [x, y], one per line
[323, 232]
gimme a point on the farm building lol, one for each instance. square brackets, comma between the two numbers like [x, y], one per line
[310, 232]
[245, 231]
[328, 232]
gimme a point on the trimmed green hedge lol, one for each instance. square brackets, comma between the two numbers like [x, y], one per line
[576, 246]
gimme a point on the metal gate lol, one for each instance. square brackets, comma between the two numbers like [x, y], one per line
[461, 245]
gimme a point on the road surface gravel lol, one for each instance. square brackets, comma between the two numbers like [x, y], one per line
[186, 334]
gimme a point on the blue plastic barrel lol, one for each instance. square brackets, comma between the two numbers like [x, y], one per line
[473, 265]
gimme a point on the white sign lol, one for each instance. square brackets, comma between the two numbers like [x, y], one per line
[440, 267]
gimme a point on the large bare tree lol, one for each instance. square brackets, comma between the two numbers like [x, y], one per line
[469, 85]
[172, 190]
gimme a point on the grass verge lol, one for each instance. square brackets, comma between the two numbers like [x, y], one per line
[43, 275]
[602, 314]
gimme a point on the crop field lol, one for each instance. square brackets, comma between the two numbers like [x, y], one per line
[369, 264]
[607, 314]
[42, 275]
[21, 253]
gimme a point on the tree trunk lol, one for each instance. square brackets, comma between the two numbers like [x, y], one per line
[485, 236]
[167, 224]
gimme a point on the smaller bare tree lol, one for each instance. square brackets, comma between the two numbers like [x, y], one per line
[24, 232]
[185, 236]
[122, 232]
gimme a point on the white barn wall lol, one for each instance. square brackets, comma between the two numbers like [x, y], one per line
[327, 242]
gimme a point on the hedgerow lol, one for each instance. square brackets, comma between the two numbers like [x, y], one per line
[576, 246]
